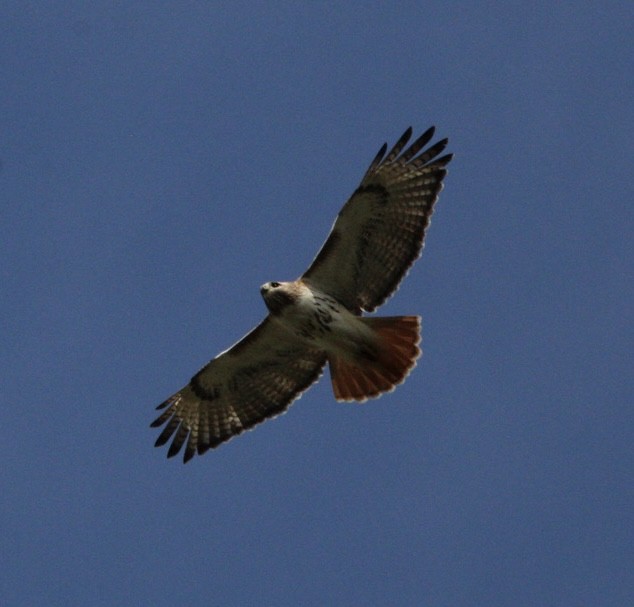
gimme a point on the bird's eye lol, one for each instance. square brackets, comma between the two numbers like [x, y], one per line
[274, 285]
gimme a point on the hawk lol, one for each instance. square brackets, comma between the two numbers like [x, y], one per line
[317, 319]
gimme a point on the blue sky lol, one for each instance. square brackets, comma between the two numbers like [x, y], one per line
[160, 161]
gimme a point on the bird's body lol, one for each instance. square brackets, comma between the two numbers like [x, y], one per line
[317, 319]
[364, 356]
[310, 315]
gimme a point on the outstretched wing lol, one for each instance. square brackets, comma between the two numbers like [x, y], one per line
[257, 378]
[379, 232]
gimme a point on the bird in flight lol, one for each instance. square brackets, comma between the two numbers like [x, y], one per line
[317, 319]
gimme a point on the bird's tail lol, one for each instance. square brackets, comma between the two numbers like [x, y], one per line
[380, 368]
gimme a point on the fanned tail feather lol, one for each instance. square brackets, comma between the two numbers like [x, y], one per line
[380, 369]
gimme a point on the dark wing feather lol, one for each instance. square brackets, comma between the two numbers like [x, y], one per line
[379, 232]
[257, 378]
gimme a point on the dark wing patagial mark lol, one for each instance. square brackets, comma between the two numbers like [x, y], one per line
[258, 378]
[379, 232]
[326, 252]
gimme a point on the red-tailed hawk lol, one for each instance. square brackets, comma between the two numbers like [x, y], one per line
[317, 319]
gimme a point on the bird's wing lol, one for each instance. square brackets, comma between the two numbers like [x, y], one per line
[379, 232]
[257, 378]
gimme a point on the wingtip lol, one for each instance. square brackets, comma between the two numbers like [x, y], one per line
[159, 442]
[444, 160]
[166, 402]
[173, 450]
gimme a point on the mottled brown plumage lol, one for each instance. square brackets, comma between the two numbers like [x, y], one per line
[375, 239]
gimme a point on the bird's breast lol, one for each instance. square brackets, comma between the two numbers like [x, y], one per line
[323, 322]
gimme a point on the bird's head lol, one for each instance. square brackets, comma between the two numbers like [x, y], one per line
[277, 295]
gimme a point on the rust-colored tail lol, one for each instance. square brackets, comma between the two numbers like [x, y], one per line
[381, 368]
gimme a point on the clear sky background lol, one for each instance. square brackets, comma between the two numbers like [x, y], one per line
[160, 161]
